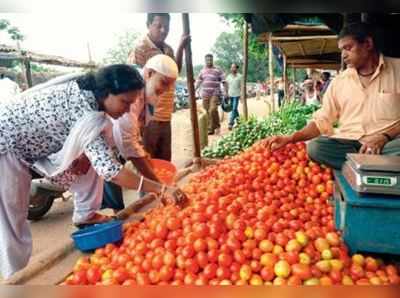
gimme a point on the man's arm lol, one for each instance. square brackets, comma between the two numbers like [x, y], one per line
[198, 81]
[374, 144]
[309, 132]
[321, 124]
[226, 87]
[179, 52]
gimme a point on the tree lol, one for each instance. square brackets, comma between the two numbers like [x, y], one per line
[120, 51]
[13, 32]
[228, 49]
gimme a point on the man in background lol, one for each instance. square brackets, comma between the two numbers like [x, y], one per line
[234, 80]
[210, 79]
[157, 132]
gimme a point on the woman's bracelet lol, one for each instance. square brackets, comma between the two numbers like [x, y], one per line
[140, 184]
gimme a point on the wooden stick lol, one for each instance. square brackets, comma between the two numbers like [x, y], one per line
[190, 84]
[245, 65]
[271, 72]
[135, 206]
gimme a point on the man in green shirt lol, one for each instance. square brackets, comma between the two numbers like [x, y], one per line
[234, 80]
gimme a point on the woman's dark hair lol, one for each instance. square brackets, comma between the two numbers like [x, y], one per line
[151, 16]
[113, 79]
[359, 32]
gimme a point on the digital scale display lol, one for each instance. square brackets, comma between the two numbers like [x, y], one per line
[380, 181]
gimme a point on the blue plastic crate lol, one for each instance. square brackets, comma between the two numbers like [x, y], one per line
[97, 235]
[369, 223]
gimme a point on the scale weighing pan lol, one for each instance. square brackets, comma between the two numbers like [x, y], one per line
[379, 174]
[380, 163]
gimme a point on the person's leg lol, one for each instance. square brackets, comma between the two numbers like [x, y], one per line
[235, 112]
[15, 234]
[215, 123]
[88, 196]
[392, 148]
[206, 106]
[112, 197]
[165, 141]
[331, 152]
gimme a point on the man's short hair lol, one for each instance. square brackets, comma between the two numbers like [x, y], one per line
[151, 16]
[359, 32]
[326, 75]
[209, 55]
[237, 66]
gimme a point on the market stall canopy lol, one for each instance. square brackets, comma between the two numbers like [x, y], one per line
[306, 40]
[310, 40]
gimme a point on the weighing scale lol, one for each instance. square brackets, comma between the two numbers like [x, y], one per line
[379, 174]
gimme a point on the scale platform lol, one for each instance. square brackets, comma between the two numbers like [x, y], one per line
[377, 174]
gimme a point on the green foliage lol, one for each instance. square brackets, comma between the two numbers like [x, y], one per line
[228, 48]
[119, 52]
[290, 118]
[196, 70]
[35, 67]
[13, 32]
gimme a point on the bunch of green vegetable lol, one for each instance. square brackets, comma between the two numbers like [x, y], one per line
[289, 118]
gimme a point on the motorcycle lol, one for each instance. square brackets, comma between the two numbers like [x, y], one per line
[42, 196]
[181, 99]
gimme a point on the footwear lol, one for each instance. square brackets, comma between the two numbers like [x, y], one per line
[97, 218]
[230, 127]
[210, 133]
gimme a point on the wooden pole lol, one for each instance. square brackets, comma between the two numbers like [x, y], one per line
[245, 66]
[28, 73]
[285, 79]
[345, 20]
[190, 84]
[294, 83]
[271, 71]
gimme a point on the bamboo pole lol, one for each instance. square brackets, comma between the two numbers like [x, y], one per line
[28, 73]
[271, 71]
[345, 20]
[285, 79]
[245, 66]
[190, 84]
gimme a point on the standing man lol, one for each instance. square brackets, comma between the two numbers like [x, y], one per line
[157, 132]
[210, 79]
[281, 92]
[326, 79]
[234, 80]
[364, 99]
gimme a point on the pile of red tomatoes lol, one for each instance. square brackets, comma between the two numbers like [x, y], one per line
[259, 218]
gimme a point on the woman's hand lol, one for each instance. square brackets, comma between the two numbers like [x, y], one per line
[81, 165]
[178, 197]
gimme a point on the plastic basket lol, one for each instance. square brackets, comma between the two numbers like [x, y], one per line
[97, 235]
[165, 170]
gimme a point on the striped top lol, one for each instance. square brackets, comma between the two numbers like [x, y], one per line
[143, 51]
[211, 79]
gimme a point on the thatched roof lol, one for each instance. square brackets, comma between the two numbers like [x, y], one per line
[8, 53]
[37, 77]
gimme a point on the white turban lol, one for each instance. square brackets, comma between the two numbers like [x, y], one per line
[164, 65]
